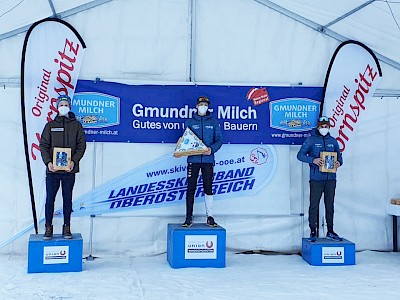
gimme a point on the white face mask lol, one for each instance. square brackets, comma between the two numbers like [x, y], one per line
[202, 110]
[323, 131]
[63, 110]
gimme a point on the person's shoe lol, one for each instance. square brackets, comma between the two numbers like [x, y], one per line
[313, 235]
[67, 232]
[48, 234]
[333, 236]
[188, 222]
[211, 222]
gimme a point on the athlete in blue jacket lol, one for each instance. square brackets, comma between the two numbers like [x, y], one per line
[321, 182]
[206, 127]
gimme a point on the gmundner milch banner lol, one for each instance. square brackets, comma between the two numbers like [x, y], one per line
[114, 112]
[353, 75]
[51, 60]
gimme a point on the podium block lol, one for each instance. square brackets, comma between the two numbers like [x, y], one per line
[55, 255]
[196, 246]
[325, 252]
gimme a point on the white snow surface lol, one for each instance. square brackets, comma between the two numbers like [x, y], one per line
[246, 276]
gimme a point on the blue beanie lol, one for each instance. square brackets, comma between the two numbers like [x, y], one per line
[63, 98]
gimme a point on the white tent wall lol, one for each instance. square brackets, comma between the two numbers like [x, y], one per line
[235, 41]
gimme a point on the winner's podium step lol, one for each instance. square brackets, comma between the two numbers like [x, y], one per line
[196, 246]
[326, 252]
[55, 255]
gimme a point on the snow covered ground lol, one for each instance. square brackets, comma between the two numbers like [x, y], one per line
[376, 275]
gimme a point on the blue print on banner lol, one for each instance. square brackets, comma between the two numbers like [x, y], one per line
[294, 114]
[157, 113]
[96, 110]
[240, 171]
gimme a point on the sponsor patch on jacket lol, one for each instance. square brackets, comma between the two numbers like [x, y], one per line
[209, 126]
[57, 129]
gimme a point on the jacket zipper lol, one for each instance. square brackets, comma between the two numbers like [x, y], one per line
[323, 139]
[64, 132]
[202, 137]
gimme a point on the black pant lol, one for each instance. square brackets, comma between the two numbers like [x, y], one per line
[327, 187]
[193, 170]
[52, 185]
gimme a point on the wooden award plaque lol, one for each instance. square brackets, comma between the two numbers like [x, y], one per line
[61, 159]
[329, 159]
[189, 144]
[395, 201]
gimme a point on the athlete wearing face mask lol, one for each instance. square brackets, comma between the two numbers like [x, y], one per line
[202, 109]
[63, 132]
[206, 128]
[63, 109]
[321, 182]
[323, 131]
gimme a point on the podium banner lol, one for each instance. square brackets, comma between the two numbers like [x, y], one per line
[114, 112]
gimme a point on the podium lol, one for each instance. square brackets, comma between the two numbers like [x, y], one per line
[55, 255]
[196, 246]
[326, 252]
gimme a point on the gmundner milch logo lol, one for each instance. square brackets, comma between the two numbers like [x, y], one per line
[96, 110]
[294, 114]
[258, 95]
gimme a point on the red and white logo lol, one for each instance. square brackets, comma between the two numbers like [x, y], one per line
[258, 95]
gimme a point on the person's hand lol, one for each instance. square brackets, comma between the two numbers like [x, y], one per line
[177, 155]
[71, 166]
[318, 161]
[50, 166]
[337, 164]
[208, 152]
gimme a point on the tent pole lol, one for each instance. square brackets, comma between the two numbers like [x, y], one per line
[192, 46]
[90, 257]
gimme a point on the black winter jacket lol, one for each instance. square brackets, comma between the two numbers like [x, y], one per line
[63, 132]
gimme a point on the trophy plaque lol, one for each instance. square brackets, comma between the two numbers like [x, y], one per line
[189, 144]
[329, 159]
[61, 158]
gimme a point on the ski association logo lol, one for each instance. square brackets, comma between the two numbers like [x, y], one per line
[259, 156]
[258, 95]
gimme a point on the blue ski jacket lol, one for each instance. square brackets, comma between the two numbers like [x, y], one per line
[312, 147]
[208, 130]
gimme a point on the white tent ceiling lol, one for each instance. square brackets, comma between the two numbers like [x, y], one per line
[376, 23]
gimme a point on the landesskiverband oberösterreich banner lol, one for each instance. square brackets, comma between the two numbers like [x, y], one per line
[115, 112]
[51, 59]
[240, 173]
[352, 78]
